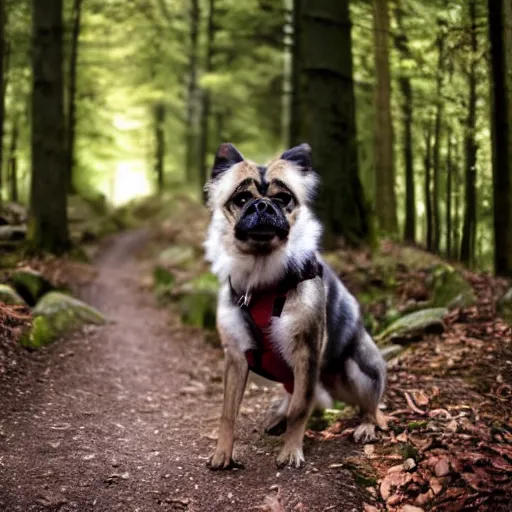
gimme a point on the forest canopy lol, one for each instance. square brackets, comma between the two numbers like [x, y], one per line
[396, 98]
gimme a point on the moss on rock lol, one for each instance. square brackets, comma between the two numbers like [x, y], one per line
[10, 296]
[198, 301]
[30, 284]
[414, 325]
[448, 287]
[56, 314]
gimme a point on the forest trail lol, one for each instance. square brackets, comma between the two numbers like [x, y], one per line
[123, 417]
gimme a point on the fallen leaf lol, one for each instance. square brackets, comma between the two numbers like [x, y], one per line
[442, 467]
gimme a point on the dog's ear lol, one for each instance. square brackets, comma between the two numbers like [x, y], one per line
[227, 156]
[299, 155]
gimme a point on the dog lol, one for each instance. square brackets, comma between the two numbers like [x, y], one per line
[282, 311]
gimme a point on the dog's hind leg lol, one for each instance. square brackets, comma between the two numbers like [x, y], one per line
[275, 421]
[362, 384]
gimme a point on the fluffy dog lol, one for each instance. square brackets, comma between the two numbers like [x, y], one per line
[282, 312]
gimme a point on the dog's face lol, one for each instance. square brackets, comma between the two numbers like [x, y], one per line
[260, 205]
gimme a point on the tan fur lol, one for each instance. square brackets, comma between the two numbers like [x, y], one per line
[235, 378]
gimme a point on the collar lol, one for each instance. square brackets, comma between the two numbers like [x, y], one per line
[312, 269]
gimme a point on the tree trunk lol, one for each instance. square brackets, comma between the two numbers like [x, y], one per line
[402, 45]
[467, 248]
[159, 117]
[327, 104]
[71, 97]
[385, 198]
[449, 175]
[500, 36]
[48, 228]
[2, 90]
[12, 162]
[294, 128]
[206, 97]
[192, 97]
[436, 199]
[457, 193]
[428, 179]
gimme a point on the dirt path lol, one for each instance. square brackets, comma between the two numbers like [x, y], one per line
[123, 418]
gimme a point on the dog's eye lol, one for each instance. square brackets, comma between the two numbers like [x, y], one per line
[242, 198]
[283, 198]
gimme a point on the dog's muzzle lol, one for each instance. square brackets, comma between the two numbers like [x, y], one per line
[261, 221]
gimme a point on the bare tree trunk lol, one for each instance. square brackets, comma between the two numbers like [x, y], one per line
[457, 193]
[427, 188]
[2, 90]
[436, 199]
[402, 45]
[12, 162]
[385, 198]
[500, 36]
[467, 248]
[327, 120]
[71, 97]
[192, 96]
[206, 103]
[159, 116]
[294, 128]
[48, 228]
[449, 175]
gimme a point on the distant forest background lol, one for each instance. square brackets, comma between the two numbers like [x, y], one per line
[406, 104]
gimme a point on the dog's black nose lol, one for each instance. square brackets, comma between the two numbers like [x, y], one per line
[260, 207]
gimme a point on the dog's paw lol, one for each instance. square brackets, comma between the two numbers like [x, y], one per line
[293, 457]
[365, 433]
[222, 460]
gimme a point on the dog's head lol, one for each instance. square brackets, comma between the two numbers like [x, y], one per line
[262, 210]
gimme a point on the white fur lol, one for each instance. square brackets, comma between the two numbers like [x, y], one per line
[249, 271]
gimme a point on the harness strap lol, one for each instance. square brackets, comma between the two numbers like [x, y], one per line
[258, 311]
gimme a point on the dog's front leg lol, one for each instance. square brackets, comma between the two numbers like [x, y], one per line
[235, 378]
[305, 373]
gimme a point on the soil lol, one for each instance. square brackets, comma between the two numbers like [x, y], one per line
[124, 417]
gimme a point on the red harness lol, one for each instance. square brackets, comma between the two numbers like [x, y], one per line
[266, 360]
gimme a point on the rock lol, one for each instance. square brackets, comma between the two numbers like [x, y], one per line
[414, 325]
[198, 302]
[13, 233]
[505, 306]
[56, 314]
[10, 296]
[390, 351]
[13, 214]
[179, 256]
[30, 284]
[448, 288]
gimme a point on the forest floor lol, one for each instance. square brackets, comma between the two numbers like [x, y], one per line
[123, 417]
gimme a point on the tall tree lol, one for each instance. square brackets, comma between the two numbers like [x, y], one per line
[467, 247]
[385, 198]
[436, 150]
[500, 35]
[206, 97]
[2, 89]
[294, 124]
[159, 121]
[406, 105]
[449, 182]
[192, 99]
[12, 162]
[327, 120]
[71, 95]
[427, 161]
[48, 228]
